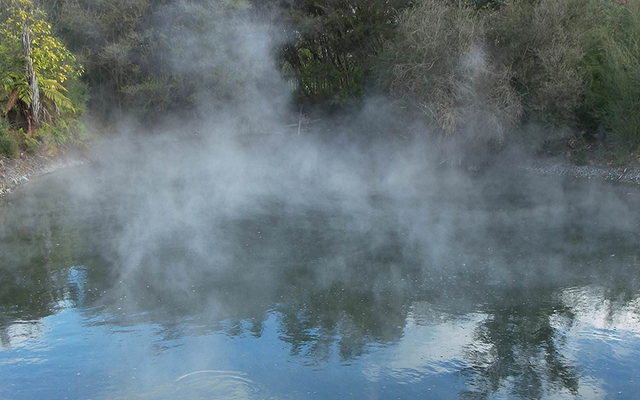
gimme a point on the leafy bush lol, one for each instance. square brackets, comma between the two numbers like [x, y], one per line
[329, 50]
[4, 126]
[564, 64]
[52, 63]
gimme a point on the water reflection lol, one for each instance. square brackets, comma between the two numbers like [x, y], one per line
[216, 384]
[333, 292]
[518, 352]
[314, 321]
[604, 308]
[22, 334]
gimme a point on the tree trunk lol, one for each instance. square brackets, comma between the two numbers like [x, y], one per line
[35, 106]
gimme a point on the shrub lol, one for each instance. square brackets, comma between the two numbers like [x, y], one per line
[56, 136]
[559, 63]
[439, 65]
[612, 63]
[31, 145]
[8, 146]
[543, 42]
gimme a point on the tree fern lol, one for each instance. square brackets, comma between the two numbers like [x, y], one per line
[52, 91]
[52, 64]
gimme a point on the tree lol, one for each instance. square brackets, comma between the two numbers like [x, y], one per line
[332, 42]
[133, 51]
[106, 35]
[438, 65]
[612, 62]
[35, 67]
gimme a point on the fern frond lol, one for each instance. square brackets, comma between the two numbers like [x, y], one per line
[54, 95]
[25, 94]
[6, 83]
[53, 84]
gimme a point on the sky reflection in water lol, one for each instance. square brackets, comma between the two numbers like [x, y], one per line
[72, 328]
[86, 353]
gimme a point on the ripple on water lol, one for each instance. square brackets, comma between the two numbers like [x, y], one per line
[216, 384]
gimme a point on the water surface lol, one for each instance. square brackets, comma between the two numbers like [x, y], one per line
[512, 293]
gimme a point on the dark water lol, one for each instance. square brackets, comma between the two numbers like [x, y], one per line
[512, 297]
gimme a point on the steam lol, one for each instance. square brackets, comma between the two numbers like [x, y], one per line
[350, 232]
[231, 53]
[235, 196]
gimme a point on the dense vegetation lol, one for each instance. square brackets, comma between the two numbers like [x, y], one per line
[40, 93]
[472, 70]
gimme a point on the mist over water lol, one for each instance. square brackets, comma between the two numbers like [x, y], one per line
[250, 293]
[226, 222]
[348, 247]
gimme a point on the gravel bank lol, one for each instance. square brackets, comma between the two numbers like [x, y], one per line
[613, 174]
[16, 172]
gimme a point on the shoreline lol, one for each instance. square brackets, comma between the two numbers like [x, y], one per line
[15, 173]
[626, 175]
[19, 171]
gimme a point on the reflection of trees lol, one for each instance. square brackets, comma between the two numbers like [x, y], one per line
[516, 350]
[314, 321]
[334, 287]
[621, 282]
[26, 278]
[336, 284]
[38, 245]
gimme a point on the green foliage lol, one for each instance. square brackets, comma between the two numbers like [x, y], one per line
[561, 63]
[31, 145]
[53, 64]
[612, 63]
[63, 132]
[156, 95]
[8, 146]
[104, 34]
[78, 93]
[4, 126]
[55, 68]
[542, 41]
[189, 62]
[472, 68]
[328, 55]
[130, 48]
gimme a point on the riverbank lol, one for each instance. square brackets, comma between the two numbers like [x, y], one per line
[19, 171]
[562, 168]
